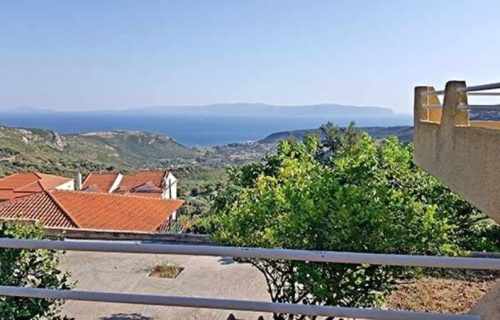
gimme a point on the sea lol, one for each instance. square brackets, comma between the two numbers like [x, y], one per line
[189, 130]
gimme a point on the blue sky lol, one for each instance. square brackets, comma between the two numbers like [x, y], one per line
[124, 54]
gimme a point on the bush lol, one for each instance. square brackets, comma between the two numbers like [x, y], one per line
[349, 193]
[29, 268]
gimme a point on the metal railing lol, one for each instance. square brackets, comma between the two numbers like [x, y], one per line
[483, 93]
[237, 252]
[489, 86]
[227, 304]
[471, 91]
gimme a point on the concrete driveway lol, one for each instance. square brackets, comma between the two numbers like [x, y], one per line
[213, 277]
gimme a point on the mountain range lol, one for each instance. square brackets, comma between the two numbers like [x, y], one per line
[231, 109]
[268, 110]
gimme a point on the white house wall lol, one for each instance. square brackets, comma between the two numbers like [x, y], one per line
[170, 182]
[67, 186]
[116, 183]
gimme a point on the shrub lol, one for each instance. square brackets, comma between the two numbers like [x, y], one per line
[29, 268]
[348, 193]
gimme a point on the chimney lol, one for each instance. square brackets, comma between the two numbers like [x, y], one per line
[78, 181]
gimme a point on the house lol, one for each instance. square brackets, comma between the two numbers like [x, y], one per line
[27, 183]
[146, 183]
[92, 211]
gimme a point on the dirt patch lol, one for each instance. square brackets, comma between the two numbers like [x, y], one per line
[166, 270]
[455, 293]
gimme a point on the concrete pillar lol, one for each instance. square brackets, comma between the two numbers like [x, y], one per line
[420, 100]
[453, 115]
[78, 181]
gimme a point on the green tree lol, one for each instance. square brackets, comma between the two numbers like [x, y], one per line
[29, 268]
[347, 193]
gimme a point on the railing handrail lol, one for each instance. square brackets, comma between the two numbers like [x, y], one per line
[259, 253]
[484, 106]
[470, 89]
[482, 87]
[260, 306]
[483, 93]
[229, 304]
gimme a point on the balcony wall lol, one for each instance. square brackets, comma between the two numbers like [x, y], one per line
[463, 154]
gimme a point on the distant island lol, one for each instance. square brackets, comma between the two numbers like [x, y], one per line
[242, 109]
[269, 110]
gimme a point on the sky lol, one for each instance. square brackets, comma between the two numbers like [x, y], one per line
[95, 55]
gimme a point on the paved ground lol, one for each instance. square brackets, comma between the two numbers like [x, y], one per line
[202, 277]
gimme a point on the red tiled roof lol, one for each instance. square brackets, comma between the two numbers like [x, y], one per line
[7, 195]
[31, 188]
[116, 212]
[49, 181]
[147, 189]
[38, 207]
[88, 210]
[18, 180]
[139, 178]
[147, 183]
[99, 182]
[22, 184]
[157, 195]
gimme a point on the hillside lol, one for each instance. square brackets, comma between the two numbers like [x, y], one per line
[48, 151]
[133, 148]
[404, 134]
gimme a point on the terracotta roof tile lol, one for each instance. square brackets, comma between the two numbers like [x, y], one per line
[146, 181]
[136, 179]
[18, 180]
[147, 187]
[21, 184]
[49, 181]
[100, 182]
[32, 187]
[7, 195]
[87, 210]
[38, 207]
[116, 212]
[157, 195]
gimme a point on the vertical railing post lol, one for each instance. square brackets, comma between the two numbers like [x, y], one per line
[453, 115]
[422, 100]
[419, 111]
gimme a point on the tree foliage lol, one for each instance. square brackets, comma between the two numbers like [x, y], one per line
[345, 193]
[29, 268]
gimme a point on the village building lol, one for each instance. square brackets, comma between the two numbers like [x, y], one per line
[23, 184]
[160, 184]
[144, 201]
[92, 211]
